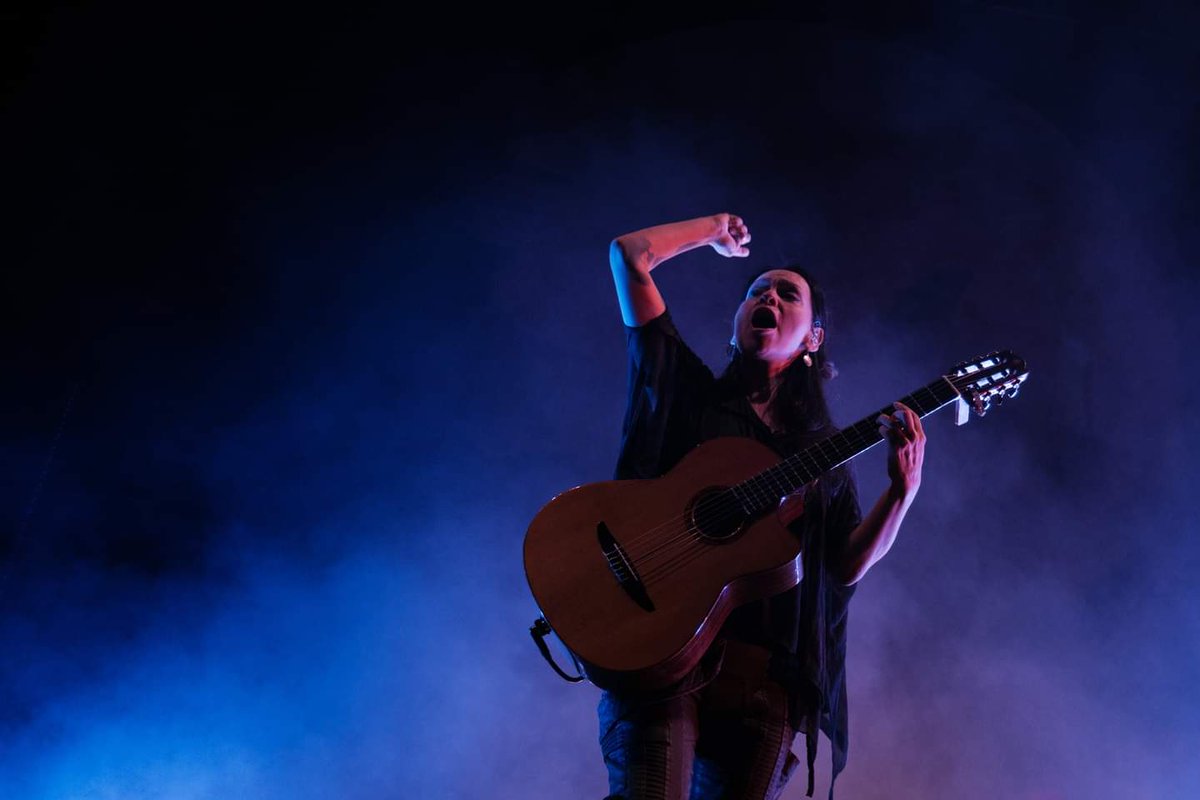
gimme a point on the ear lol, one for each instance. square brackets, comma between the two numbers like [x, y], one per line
[815, 339]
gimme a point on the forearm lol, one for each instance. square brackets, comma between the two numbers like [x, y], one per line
[633, 255]
[874, 536]
[645, 249]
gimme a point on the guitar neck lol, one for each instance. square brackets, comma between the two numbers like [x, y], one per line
[765, 489]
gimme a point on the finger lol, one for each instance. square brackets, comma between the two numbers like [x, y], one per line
[895, 421]
[915, 422]
[885, 425]
[888, 429]
[911, 420]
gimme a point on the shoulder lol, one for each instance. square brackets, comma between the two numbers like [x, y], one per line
[662, 325]
[658, 346]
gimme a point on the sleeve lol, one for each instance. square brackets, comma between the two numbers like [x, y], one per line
[667, 382]
[843, 515]
[845, 511]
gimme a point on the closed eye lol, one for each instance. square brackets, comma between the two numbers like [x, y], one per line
[787, 291]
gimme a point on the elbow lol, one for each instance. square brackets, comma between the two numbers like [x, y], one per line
[850, 577]
[622, 256]
[850, 571]
[630, 253]
[617, 258]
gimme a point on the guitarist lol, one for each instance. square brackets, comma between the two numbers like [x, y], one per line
[778, 667]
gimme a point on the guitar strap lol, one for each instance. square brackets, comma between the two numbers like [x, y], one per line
[539, 630]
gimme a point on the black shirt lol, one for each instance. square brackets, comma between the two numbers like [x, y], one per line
[675, 403]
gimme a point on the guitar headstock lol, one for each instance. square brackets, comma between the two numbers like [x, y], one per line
[983, 381]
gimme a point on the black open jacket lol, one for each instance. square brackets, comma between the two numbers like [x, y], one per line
[675, 403]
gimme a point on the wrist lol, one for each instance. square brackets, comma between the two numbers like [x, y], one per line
[902, 492]
[715, 226]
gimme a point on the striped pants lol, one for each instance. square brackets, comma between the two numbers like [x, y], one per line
[729, 739]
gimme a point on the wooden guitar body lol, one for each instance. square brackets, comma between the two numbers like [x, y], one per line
[691, 574]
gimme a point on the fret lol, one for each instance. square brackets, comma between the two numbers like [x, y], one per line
[766, 488]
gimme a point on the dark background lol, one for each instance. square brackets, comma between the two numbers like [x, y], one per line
[307, 312]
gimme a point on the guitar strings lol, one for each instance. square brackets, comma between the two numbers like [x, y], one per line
[762, 482]
[689, 553]
[761, 487]
[855, 435]
[681, 546]
[681, 530]
[768, 485]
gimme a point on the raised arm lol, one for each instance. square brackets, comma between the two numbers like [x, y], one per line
[633, 255]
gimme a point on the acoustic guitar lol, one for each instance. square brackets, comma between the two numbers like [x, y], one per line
[636, 577]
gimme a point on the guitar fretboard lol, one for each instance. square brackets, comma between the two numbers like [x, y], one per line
[765, 489]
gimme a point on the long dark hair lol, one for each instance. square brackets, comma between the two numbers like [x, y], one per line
[799, 403]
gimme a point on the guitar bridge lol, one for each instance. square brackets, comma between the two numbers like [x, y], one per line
[622, 568]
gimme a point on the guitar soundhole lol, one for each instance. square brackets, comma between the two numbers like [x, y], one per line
[716, 515]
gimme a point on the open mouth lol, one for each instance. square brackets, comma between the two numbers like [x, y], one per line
[762, 318]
